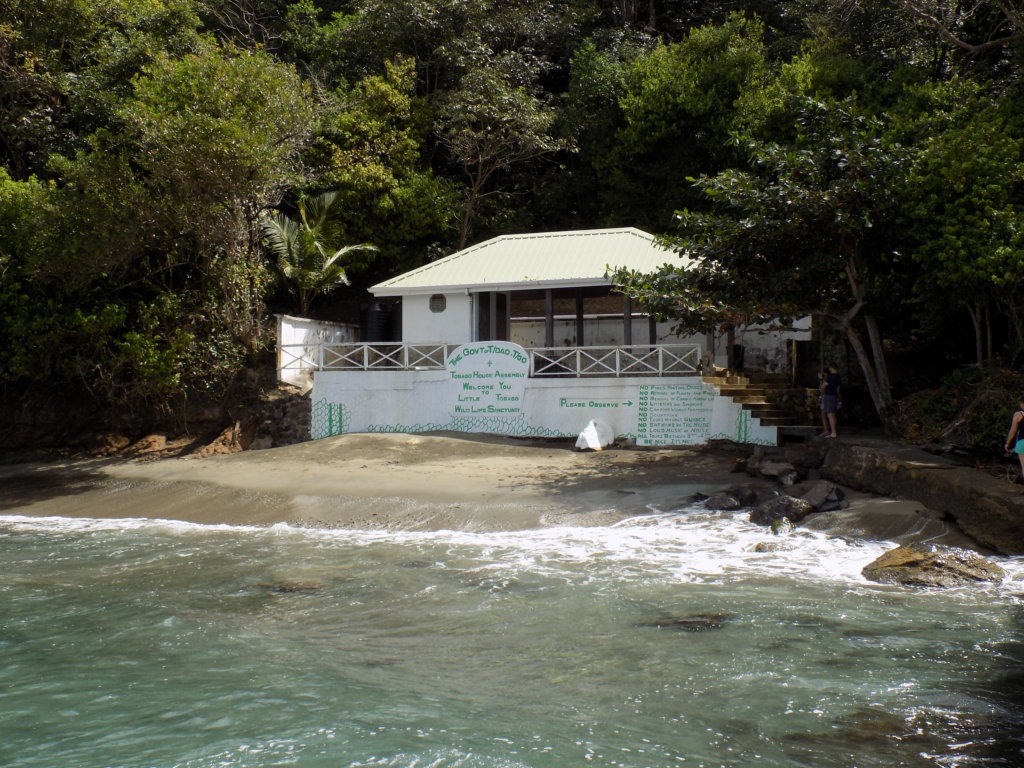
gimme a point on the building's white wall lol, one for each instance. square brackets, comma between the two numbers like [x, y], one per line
[298, 339]
[654, 411]
[421, 326]
[764, 350]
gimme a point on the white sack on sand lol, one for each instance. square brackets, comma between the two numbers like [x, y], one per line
[595, 436]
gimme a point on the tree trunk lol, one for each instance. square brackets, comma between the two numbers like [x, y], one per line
[467, 223]
[875, 372]
[989, 354]
[880, 397]
[473, 194]
[730, 349]
[1009, 306]
[878, 353]
[979, 344]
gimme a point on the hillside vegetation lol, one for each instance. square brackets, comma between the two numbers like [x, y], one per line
[858, 161]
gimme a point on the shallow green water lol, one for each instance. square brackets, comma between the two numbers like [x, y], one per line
[151, 644]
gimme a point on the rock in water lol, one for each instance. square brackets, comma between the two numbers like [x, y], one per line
[698, 622]
[788, 507]
[732, 498]
[770, 546]
[723, 502]
[295, 587]
[930, 566]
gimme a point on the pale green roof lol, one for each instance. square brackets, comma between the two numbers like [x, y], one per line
[541, 260]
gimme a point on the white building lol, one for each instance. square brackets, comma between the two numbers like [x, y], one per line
[524, 335]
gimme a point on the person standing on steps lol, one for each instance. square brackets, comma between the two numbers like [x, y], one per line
[830, 384]
[1015, 437]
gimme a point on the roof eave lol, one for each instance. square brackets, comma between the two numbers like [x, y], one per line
[525, 285]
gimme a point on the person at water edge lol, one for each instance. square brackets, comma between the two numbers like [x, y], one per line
[1015, 437]
[829, 385]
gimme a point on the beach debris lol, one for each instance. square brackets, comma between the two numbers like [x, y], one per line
[697, 622]
[918, 565]
[595, 436]
[779, 507]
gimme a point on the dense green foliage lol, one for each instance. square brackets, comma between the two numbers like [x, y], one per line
[858, 161]
[970, 408]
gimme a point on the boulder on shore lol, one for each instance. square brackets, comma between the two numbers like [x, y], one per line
[930, 566]
[734, 497]
[824, 496]
[723, 501]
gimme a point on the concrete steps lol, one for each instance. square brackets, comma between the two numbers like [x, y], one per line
[759, 394]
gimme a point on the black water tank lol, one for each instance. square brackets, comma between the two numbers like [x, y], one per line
[376, 322]
[738, 353]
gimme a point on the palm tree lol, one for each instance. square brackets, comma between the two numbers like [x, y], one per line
[306, 249]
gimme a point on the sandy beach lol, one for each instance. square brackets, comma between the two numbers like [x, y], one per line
[391, 481]
[421, 482]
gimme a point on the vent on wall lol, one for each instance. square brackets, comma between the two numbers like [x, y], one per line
[438, 302]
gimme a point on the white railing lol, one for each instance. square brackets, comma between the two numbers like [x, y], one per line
[572, 362]
[298, 343]
[634, 360]
[385, 355]
[296, 358]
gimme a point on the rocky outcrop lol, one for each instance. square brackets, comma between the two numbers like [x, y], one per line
[926, 566]
[988, 510]
[788, 499]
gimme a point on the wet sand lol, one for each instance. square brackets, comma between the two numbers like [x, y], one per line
[391, 481]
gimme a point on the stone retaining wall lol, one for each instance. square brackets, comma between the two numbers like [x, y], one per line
[989, 510]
